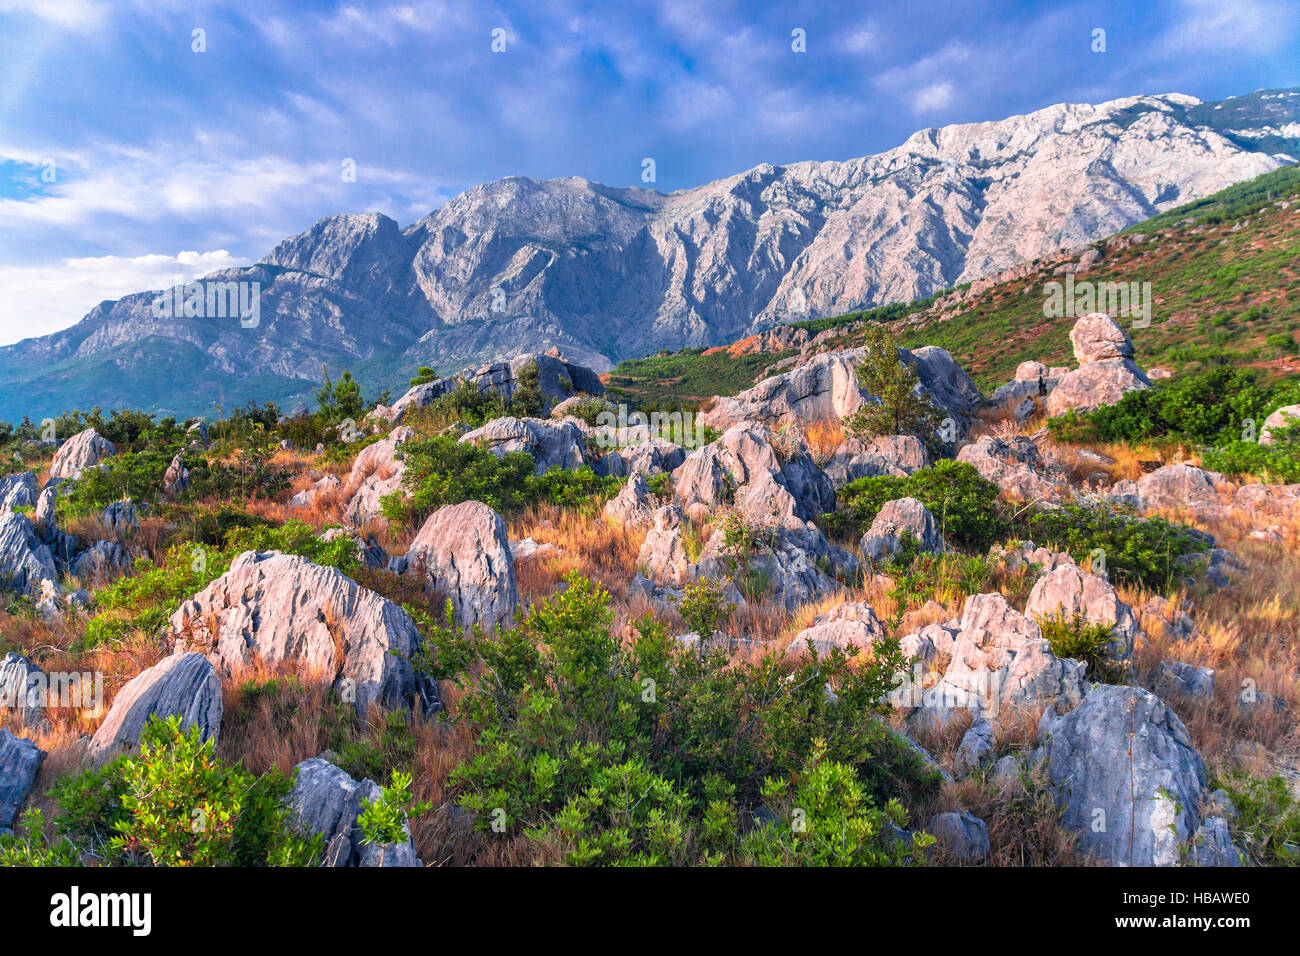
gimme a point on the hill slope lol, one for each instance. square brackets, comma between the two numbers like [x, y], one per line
[1224, 276]
[605, 274]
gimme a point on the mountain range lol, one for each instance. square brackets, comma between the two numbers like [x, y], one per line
[609, 273]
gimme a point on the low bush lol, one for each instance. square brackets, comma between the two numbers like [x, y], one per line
[1199, 408]
[965, 505]
[1138, 552]
[1076, 638]
[444, 471]
[1267, 827]
[1278, 463]
[173, 803]
[604, 750]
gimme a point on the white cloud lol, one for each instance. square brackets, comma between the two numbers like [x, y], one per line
[929, 99]
[1210, 26]
[38, 300]
[861, 39]
[79, 15]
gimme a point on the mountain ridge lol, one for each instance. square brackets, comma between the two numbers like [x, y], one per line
[608, 272]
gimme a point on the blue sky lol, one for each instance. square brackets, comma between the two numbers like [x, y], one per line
[167, 161]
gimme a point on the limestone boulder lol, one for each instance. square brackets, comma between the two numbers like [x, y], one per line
[463, 552]
[1124, 770]
[273, 609]
[183, 685]
[86, 449]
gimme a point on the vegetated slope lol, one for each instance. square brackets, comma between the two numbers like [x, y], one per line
[1224, 276]
[605, 273]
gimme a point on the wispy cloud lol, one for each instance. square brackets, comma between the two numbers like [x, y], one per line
[42, 299]
[936, 96]
[159, 148]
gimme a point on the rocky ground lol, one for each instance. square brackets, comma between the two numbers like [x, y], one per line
[1148, 749]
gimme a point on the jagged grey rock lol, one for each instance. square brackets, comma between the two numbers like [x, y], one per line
[897, 520]
[1182, 486]
[663, 553]
[1091, 386]
[961, 834]
[271, 609]
[1016, 466]
[26, 562]
[463, 552]
[823, 389]
[1183, 680]
[849, 626]
[856, 458]
[1125, 772]
[1212, 845]
[651, 457]
[553, 444]
[184, 685]
[177, 477]
[22, 690]
[376, 471]
[326, 801]
[1097, 337]
[18, 491]
[1000, 662]
[416, 397]
[101, 562]
[634, 504]
[1023, 554]
[45, 519]
[826, 388]
[20, 761]
[976, 747]
[121, 517]
[556, 378]
[1070, 593]
[86, 449]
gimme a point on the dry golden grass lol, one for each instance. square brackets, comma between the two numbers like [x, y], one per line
[1249, 633]
[822, 438]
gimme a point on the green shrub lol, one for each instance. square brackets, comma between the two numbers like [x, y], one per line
[827, 819]
[134, 475]
[965, 504]
[1076, 638]
[1271, 463]
[1267, 827]
[383, 820]
[572, 722]
[1200, 408]
[467, 403]
[174, 804]
[919, 578]
[702, 607]
[368, 752]
[444, 471]
[28, 845]
[1139, 552]
[295, 537]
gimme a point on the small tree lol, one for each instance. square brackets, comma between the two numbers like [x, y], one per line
[347, 397]
[340, 400]
[901, 411]
[424, 376]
